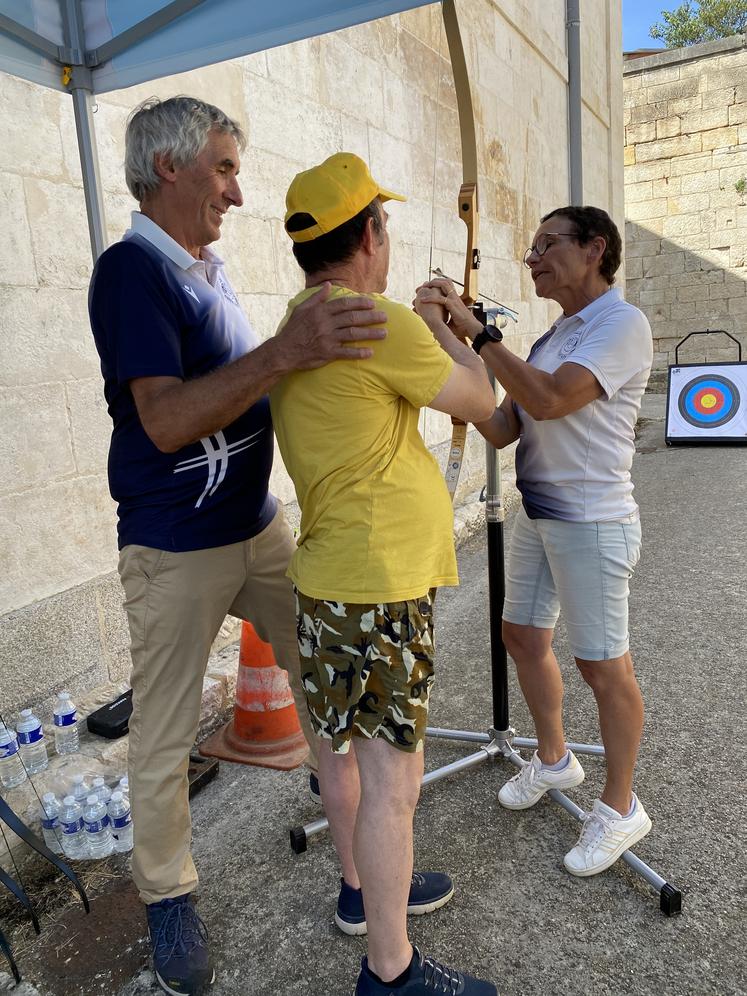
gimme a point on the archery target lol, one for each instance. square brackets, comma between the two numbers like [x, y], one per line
[707, 403]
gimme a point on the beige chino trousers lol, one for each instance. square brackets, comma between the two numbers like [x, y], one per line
[175, 604]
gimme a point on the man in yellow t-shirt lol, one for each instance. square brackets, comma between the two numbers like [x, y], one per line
[376, 542]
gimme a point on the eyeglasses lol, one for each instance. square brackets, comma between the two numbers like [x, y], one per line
[542, 245]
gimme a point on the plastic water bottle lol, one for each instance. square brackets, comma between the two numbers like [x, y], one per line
[73, 836]
[81, 789]
[12, 772]
[98, 831]
[31, 742]
[121, 821]
[50, 824]
[124, 786]
[101, 790]
[66, 740]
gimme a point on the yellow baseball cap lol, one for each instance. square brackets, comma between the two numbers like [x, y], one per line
[332, 193]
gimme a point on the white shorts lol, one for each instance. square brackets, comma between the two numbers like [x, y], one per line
[579, 568]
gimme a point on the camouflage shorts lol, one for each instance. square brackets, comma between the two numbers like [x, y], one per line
[367, 670]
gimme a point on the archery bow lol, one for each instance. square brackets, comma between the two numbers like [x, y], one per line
[467, 205]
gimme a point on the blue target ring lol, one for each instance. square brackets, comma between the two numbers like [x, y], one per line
[708, 401]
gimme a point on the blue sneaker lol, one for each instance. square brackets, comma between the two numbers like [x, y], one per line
[425, 977]
[428, 891]
[181, 959]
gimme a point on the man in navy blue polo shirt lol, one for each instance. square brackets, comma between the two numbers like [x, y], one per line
[200, 536]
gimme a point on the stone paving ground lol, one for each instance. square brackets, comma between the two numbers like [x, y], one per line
[517, 917]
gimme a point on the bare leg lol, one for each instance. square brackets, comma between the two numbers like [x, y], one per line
[620, 707]
[340, 786]
[382, 845]
[541, 684]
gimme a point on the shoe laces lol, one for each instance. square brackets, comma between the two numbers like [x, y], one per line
[595, 826]
[179, 933]
[439, 978]
[526, 777]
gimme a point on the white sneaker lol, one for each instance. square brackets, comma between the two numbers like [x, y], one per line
[605, 836]
[531, 783]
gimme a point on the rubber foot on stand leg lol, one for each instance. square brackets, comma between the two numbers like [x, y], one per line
[670, 900]
[298, 840]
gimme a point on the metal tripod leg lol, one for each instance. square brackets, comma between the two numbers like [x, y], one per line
[467, 736]
[504, 743]
[299, 836]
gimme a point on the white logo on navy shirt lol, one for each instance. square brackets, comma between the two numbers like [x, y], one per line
[216, 459]
[191, 291]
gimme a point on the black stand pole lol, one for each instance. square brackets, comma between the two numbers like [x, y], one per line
[500, 740]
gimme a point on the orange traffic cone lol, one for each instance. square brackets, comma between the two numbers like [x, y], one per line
[265, 728]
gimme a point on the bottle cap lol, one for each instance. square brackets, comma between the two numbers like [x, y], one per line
[48, 797]
[26, 712]
[69, 800]
[98, 781]
[63, 695]
[117, 797]
[92, 800]
[78, 779]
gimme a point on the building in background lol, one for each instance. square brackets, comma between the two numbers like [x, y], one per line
[686, 195]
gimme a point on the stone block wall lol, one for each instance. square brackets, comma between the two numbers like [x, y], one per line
[383, 90]
[686, 221]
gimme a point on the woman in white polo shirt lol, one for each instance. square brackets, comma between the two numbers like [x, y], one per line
[573, 405]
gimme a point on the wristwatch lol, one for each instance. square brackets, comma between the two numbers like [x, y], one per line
[490, 333]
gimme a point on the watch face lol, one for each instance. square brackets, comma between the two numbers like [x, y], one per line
[494, 332]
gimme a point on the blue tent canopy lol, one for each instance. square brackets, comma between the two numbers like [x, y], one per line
[125, 42]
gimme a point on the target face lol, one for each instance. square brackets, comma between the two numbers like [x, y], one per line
[709, 401]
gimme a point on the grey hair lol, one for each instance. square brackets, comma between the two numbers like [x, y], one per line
[177, 127]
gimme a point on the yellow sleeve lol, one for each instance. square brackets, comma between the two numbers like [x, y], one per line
[413, 364]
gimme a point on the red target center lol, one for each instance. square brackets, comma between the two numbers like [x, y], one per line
[708, 400]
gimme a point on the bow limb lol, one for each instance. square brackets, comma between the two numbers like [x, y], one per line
[467, 206]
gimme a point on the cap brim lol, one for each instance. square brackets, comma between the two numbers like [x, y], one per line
[388, 195]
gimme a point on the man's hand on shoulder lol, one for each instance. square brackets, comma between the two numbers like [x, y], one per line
[320, 331]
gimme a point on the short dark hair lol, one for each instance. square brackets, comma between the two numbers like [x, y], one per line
[336, 246]
[590, 222]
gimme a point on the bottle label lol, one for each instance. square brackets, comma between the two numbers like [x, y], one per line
[66, 719]
[8, 750]
[70, 829]
[52, 824]
[120, 822]
[31, 736]
[96, 826]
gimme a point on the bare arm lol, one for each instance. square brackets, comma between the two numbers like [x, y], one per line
[175, 412]
[502, 428]
[467, 394]
[543, 395]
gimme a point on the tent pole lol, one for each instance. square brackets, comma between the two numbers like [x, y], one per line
[89, 164]
[80, 86]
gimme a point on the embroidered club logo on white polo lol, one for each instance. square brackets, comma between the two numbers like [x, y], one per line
[569, 345]
[191, 291]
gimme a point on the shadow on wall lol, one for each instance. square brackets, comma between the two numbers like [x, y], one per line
[682, 291]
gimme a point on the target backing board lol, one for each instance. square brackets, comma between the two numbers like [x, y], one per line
[707, 404]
